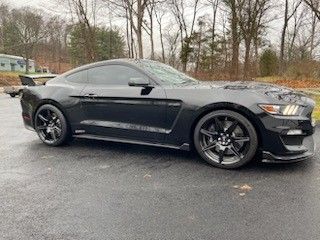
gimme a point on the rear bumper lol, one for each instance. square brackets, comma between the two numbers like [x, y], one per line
[309, 150]
[27, 121]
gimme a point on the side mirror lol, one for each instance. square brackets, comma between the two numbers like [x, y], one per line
[139, 82]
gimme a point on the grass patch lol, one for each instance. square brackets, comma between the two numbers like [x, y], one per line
[11, 78]
[316, 112]
[269, 79]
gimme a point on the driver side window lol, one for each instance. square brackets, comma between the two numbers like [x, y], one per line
[113, 75]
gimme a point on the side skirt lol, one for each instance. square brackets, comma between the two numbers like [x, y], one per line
[184, 147]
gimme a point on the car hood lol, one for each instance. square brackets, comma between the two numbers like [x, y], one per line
[275, 92]
[279, 93]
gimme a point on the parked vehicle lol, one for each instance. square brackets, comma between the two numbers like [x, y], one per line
[147, 102]
[28, 80]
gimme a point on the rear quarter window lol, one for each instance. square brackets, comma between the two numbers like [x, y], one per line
[78, 77]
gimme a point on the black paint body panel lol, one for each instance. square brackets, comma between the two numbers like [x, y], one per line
[165, 115]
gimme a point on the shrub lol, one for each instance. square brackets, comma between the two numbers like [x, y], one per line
[307, 69]
[269, 63]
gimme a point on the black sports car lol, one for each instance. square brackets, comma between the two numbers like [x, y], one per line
[147, 102]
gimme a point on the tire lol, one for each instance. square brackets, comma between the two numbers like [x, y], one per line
[225, 139]
[51, 125]
[12, 95]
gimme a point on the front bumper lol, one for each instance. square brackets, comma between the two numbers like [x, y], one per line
[308, 147]
[288, 138]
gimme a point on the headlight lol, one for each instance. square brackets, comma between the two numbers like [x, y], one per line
[284, 110]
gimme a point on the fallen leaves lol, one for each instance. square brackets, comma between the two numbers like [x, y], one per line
[243, 189]
[147, 176]
[299, 83]
[104, 167]
[47, 157]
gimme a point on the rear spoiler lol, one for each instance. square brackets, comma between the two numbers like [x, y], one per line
[29, 80]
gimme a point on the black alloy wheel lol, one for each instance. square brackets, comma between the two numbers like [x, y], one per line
[225, 139]
[51, 125]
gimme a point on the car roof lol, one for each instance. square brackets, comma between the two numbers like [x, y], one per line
[122, 61]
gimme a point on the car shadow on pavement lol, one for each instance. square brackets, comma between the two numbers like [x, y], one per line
[156, 157]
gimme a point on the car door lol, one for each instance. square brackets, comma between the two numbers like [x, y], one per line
[74, 84]
[115, 109]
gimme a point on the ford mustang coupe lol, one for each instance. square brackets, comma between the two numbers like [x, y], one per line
[150, 103]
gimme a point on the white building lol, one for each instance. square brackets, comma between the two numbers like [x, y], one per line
[12, 63]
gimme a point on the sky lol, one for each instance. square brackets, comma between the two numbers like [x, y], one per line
[53, 8]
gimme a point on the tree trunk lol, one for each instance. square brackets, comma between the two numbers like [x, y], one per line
[128, 34]
[256, 56]
[132, 41]
[246, 70]
[151, 39]
[214, 19]
[162, 45]
[283, 38]
[140, 45]
[140, 13]
[27, 65]
[234, 71]
[313, 32]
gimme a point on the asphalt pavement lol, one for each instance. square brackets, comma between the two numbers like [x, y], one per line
[101, 190]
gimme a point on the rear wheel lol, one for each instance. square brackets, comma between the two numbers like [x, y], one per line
[51, 125]
[12, 95]
[225, 139]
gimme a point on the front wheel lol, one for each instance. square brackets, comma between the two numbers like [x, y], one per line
[51, 125]
[225, 139]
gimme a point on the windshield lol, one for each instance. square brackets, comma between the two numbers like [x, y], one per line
[166, 74]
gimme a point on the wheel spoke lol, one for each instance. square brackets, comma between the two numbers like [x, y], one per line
[235, 151]
[232, 127]
[210, 146]
[218, 124]
[241, 139]
[57, 129]
[49, 114]
[42, 118]
[221, 155]
[237, 145]
[208, 133]
[42, 127]
[53, 135]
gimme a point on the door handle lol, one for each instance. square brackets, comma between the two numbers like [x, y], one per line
[90, 95]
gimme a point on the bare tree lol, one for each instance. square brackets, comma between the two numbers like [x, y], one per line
[149, 26]
[198, 36]
[251, 14]
[287, 16]
[172, 43]
[315, 7]
[159, 14]
[84, 12]
[25, 28]
[54, 43]
[214, 7]
[232, 7]
[135, 11]
[314, 23]
[185, 30]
